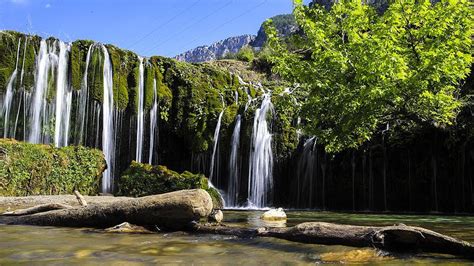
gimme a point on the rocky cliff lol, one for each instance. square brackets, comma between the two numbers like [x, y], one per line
[216, 50]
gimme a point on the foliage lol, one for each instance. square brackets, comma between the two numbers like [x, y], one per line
[144, 179]
[245, 54]
[34, 169]
[364, 71]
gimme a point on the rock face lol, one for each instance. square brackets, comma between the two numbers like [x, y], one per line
[216, 50]
[285, 25]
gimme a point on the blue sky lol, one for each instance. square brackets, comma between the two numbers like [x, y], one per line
[159, 27]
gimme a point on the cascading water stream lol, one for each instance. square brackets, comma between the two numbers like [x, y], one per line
[108, 137]
[140, 117]
[83, 99]
[38, 109]
[233, 184]
[216, 141]
[63, 98]
[153, 123]
[306, 174]
[7, 102]
[23, 63]
[261, 157]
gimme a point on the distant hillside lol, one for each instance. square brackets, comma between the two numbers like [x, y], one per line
[216, 50]
[285, 25]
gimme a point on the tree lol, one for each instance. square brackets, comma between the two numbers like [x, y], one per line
[245, 54]
[364, 71]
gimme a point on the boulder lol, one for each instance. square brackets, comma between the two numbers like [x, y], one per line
[274, 215]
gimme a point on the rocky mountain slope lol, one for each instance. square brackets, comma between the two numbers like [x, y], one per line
[216, 50]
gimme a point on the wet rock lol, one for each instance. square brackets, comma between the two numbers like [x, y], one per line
[274, 215]
[128, 228]
[216, 216]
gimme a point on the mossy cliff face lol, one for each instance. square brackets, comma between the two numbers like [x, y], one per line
[9, 41]
[77, 64]
[34, 169]
[144, 179]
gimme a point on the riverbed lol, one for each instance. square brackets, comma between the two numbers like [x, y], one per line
[50, 245]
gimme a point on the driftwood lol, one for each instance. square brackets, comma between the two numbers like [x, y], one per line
[400, 238]
[37, 209]
[173, 210]
[80, 198]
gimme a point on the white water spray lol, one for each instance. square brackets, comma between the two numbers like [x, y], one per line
[153, 122]
[233, 185]
[63, 98]
[7, 102]
[216, 141]
[140, 117]
[108, 140]
[38, 108]
[261, 157]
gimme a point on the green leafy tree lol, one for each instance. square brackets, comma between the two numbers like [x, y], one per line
[245, 54]
[364, 72]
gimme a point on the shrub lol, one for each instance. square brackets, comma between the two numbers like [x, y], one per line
[36, 169]
[144, 179]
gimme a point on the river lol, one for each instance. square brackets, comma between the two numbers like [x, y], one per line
[50, 245]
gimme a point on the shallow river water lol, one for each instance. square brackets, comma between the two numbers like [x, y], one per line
[48, 245]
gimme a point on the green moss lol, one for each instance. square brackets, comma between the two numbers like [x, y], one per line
[51, 88]
[77, 62]
[144, 179]
[95, 76]
[8, 46]
[133, 87]
[29, 68]
[34, 169]
[120, 66]
[150, 78]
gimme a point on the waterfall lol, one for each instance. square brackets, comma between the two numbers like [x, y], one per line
[7, 102]
[23, 63]
[108, 137]
[63, 98]
[83, 98]
[141, 95]
[153, 122]
[38, 110]
[261, 157]
[306, 173]
[216, 141]
[233, 183]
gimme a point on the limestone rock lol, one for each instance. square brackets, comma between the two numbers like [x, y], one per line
[274, 215]
[216, 216]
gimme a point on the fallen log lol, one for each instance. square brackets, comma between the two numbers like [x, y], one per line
[37, 209]
[399, 238]
[71, 200]
[173, 210]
